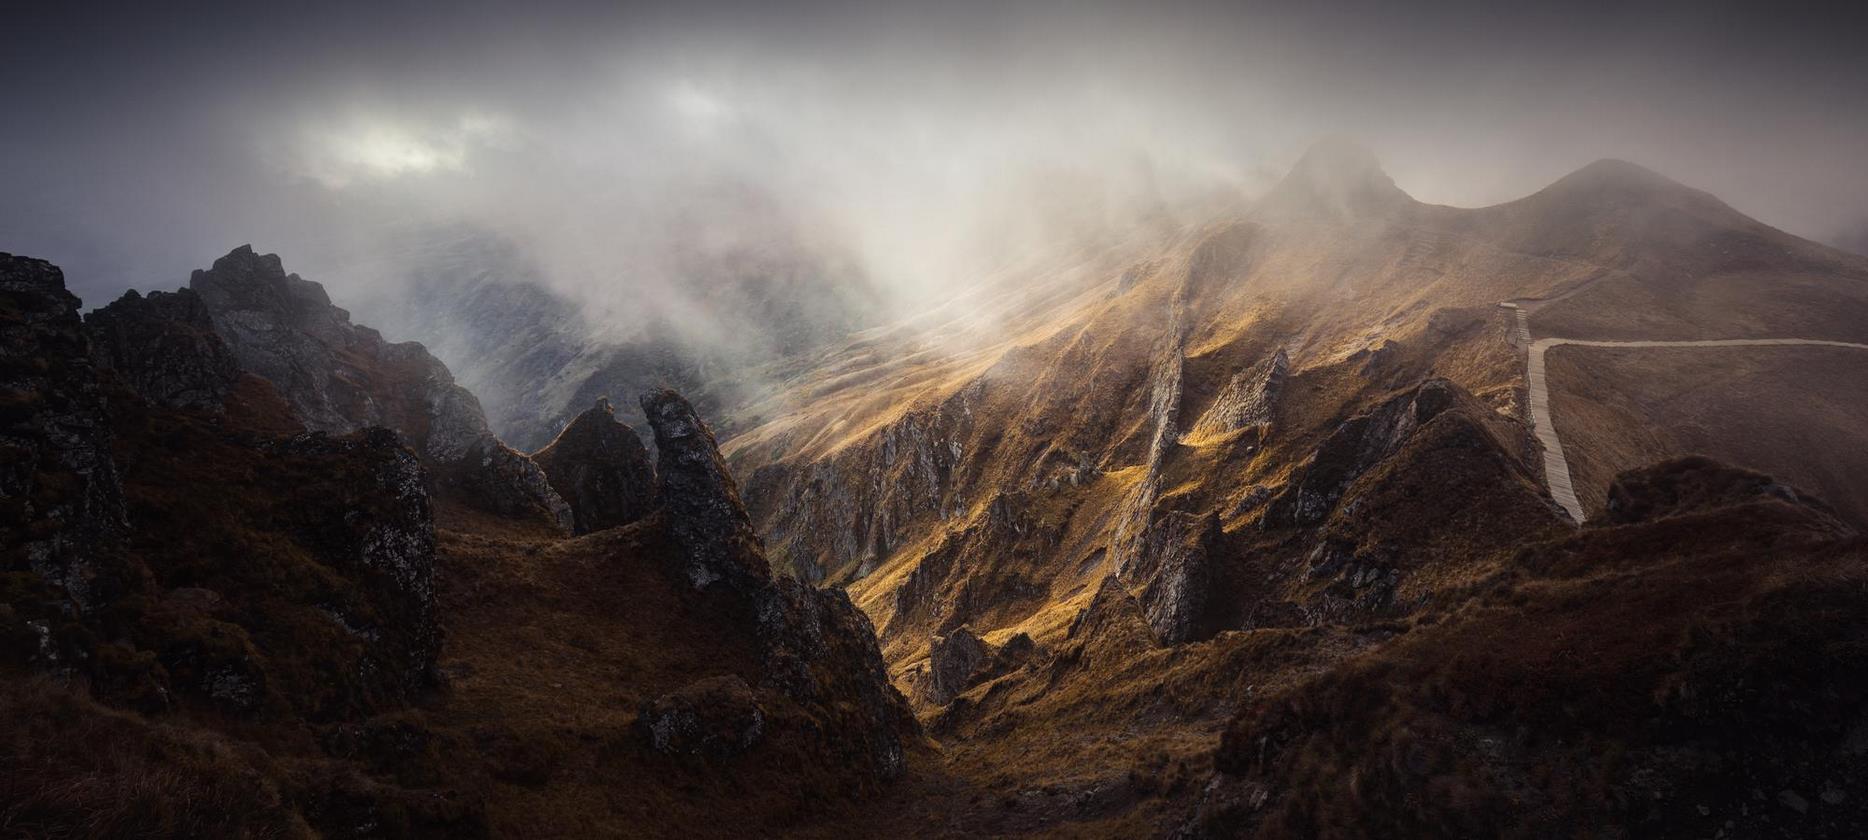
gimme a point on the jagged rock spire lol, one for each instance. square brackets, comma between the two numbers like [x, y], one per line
[705, 514]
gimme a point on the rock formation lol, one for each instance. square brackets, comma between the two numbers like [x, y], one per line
[953, 659]
[64, 501]
[705, 515]
[816, 648]
[164, 561]
[164, 347]
[1248, 399]
[1174, 569]
[716, 717]
[340, 377]
[1355, 446]
[600, 468]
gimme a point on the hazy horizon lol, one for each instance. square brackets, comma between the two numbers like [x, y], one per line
[919, 143]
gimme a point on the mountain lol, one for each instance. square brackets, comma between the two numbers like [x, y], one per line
[1260, 526]
[1117, 454]
[279, 632]
[737, 299]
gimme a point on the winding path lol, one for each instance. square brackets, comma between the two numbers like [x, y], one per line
[1556, 466]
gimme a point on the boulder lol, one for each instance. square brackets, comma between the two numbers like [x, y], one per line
[717, 717]
[953, 660]
[600, 468]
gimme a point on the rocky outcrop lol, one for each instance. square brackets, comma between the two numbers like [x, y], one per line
[63, 501]
[817, 648]
[252, 577]
[1700, 484]
[386, 542]
[705, 515]
[340, 377]
[1175, 570]
[498, 478]
[164, 348]
[717, 717]
[600, 468]
[856, 507]
[953, 659]
[1354, 447]
[1248, 398]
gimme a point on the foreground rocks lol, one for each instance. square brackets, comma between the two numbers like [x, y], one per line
[163, 561]
[816, 648]
[64, 501]
[1710, 640]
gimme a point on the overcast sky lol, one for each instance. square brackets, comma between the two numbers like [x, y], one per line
[139, 143]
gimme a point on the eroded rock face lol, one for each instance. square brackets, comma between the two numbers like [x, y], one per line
[1174, 568]
[1249, 398]
[63, 499]
[705, 514]
[717, 717]
[340, 377]
[389, 544]
[1357, 445]
[600, 468]
[857, 506]
[164, 347]
[821, 651]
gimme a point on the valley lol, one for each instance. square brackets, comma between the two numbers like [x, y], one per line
[1269, 524]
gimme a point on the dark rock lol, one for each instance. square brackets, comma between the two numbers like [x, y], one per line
[387, 544]
[61, 500]
[601, 470]
[164, 347]
[340, 377]
[716, 717]
[818, 650]
[1686, 485]
[705, 516]
[1352, 449]
[821, 651]
[1174, 567]
[953, 660]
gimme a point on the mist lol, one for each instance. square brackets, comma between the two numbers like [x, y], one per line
[913, 148]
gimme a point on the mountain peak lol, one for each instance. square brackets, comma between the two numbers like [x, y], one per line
[1339, 179]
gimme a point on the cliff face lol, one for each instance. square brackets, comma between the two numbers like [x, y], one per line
[165, 348]
[201, 576]
[64, 499]
[340, 377]
[256, 616]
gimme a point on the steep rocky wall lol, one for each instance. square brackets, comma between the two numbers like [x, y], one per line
[164, 347]
[63, 498]
[340, 377]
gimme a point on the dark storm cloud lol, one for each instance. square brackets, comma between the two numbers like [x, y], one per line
[141, 142]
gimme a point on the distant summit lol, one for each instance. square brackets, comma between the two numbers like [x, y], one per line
[1336, 179]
